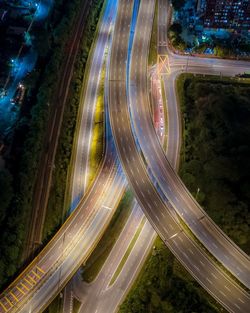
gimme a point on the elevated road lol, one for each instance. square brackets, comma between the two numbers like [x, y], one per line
[161, 217]
[168, 182]
[49, 272]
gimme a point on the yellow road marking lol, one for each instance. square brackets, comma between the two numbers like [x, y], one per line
[40, 270]
[3, 306]
[27, 281]
[163, 64]
[25, 286]
[19, 289]
[32, 279]
[38, 276]
[14, 296]
[10, 303]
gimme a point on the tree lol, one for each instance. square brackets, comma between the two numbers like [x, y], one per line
[178, 4]
[6, 192]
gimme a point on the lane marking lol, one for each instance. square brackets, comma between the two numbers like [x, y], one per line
[25, 287]
[38, 276]
[236, 305]
[222, 293]
[227, 288]
[3, 306]
[106, 207]
[19, 289]
[27, 281]
[214, 276]
[209, 280]
[14, 297]
[10, 303]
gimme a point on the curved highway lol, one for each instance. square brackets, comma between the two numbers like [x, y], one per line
[52, 268]
[210, 276]
[168, 181]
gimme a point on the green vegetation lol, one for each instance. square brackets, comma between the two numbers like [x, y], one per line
[55, 210]
[216, 115]
[76, 305]
[127, 253]
[105, 245]
[215, 158]
[30, 129]
[28, 138]
[153, 50]
[178, 4]
[97, 142]
[174, 35]
[6, 193]
[164, 286]
[55, 306]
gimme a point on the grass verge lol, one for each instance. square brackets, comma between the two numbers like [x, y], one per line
[127, 253]
[55, 306]
[105, 245]
[97, 141]
[163, 285]
[76, 305]
[56, 209]
[153, 52]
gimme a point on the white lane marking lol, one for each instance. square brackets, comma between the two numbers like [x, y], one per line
[214, 276]
[176, 199]
[106, 207]
[202, 263]
[165, 229]
[190, 250]
[197, 268]
[236, 305]
[227, 288]
[222, 293]
[209, 280]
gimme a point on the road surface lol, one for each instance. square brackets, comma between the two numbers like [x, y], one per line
[200, 266]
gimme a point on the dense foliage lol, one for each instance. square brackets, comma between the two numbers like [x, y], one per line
[55, 209]
[215, 159]
[174, 35]
[216, 152]
[178, 4]
[165, 287]
[29, 135]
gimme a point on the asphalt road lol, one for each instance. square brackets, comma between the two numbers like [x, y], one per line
[193, 258]
[100, 296]
[239, 304]
[88, 103]
[73, 243]
[70, 247]
[168, 182]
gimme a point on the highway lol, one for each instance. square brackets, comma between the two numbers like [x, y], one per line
[168, 182]
[187, 251]
[52, 268]
[100, 296]
[87, 105]
[50, 271]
